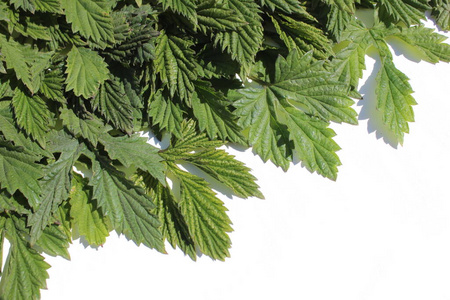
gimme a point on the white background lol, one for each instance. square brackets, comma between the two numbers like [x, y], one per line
[382, 231]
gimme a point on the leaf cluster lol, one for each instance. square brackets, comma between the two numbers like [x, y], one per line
[80, 80]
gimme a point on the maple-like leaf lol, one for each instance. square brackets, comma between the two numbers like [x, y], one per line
[53, 242]
[441, 13]
[165, 113]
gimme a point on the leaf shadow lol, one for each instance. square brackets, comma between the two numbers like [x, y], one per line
[369, 109]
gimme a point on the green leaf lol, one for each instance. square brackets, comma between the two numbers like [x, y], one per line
[268, 138]
[25, 270]
[16, 136]
[205, 215]
[87, 220]
[338, 21]
[52, 85]
[18, 171]
[51, 6]
[441, 13]
[308, 85]
[211, 109]
[285, 6]
[27, 63]
[213, 15]
[90, 128]
[300, 84]
[165, 113]
[407, 11]
[114, 106]
[184, 7]
[174, 227]
[28, 26]
[226, 169]
[126, 205]
[246, 41]
[55, 184]
[345, 5]
[313, 142]
[175, 64]
[394, 100]
[85, 71]
[91, 18]
[27, 5]
[135, 151]
[53, 242]
[302, 36]
[32, 114]
[10, 203]
[429, 43]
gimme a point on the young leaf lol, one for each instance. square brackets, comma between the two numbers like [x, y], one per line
[87, 221]
[394, 99]
[85, 71]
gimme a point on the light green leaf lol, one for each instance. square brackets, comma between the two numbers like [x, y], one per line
[205, 215]
[211, 109]
[18, 171]
[32, 114]
[407, 11]
[53, 242]
[25, 270]
[313, 142]
[135, 151]
[91, 18]
[394, 100]
[85, 71]
[87, 220]
[126, 205]
[27, 5]
[428, 42]
[175, 64]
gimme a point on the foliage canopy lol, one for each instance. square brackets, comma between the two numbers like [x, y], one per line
[80, 79]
